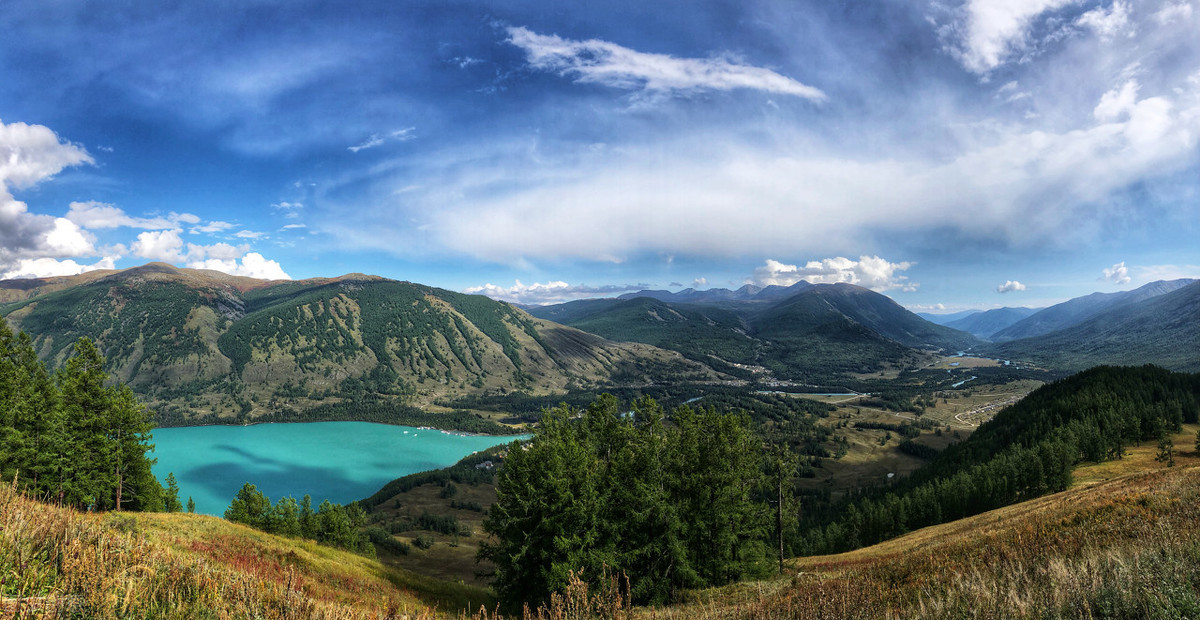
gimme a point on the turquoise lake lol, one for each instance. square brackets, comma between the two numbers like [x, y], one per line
[338, 461]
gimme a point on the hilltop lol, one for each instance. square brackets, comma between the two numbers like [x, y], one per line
[201, 344]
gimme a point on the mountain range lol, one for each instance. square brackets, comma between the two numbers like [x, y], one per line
[811, 332]
[205, 343]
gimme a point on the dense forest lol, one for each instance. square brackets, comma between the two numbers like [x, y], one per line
[1027, 450]
[70, 438]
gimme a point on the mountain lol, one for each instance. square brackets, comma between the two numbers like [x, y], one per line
[1162, 330]
[944, 319]
[1075, 311]
[699, 332]
[818, 333]
[197, 342]
[874, 311]
[984, 324]
[748, 292]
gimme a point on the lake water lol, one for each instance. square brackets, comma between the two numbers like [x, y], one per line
[338, 461]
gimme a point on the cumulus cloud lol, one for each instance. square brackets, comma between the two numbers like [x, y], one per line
[252, 265]
[1107, 23]
[49, 267]
[1118, 274]
[870, 272]
[991, 31]
[1010, 286]
[30, 154]
[168, 246]
[551, 292]
[601, 62]
[700, 282]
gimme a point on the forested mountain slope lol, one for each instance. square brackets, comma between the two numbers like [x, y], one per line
[1163, 330]
[197, 342]
[818, 333]
[1075, 311]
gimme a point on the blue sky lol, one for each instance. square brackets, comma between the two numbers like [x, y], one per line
[950, 155]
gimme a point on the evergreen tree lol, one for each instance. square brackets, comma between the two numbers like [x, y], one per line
[171, 497]
[191, 505]
[87, 476]
[250, 507]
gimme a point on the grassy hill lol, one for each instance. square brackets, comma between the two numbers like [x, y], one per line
[62, 563]
[1121, 544]
[199, 344]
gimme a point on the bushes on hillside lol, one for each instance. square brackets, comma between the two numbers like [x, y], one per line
[331, 524]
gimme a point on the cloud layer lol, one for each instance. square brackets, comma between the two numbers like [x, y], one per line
[870, 272]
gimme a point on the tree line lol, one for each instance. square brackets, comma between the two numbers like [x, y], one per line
[331, 524]
[68, 437]
[1025, 451]
[672, 505]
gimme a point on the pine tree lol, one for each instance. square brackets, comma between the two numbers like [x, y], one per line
[191, 505]
[171, 497]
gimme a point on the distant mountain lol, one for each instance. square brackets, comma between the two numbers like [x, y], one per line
[878, 313]
[201, 342]
[1075, 311]
[984, 324]
[817, 333]
[748, 292]
[945, 319]
[1162, 330]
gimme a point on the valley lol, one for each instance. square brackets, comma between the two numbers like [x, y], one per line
[864, 399]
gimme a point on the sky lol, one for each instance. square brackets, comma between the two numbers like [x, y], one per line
[951, 155]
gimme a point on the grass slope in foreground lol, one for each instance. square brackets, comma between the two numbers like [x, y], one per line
[1117, 545]
[58, 562]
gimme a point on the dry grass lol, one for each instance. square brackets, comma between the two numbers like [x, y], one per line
[59, 563]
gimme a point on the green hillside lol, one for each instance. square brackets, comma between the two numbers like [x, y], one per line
[1162, 330]
[202, 345]
[821, 334]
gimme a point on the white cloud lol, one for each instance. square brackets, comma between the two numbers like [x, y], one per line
[1025, 188]
[287, 206]
[30, 154]
[699, 282]
[1173, 12]
[252, 265]
[250, 234]
[1010, 286]
[1107, 24]
[601, 62]
[870, 272]
[551, 292]
[993, 30]
[293, 226]
[162, 245]
[1116, 103]
[94, 214]
[1117, 274]
[1153, 273]
[49, 267]
[400, 135]
[215, 226]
